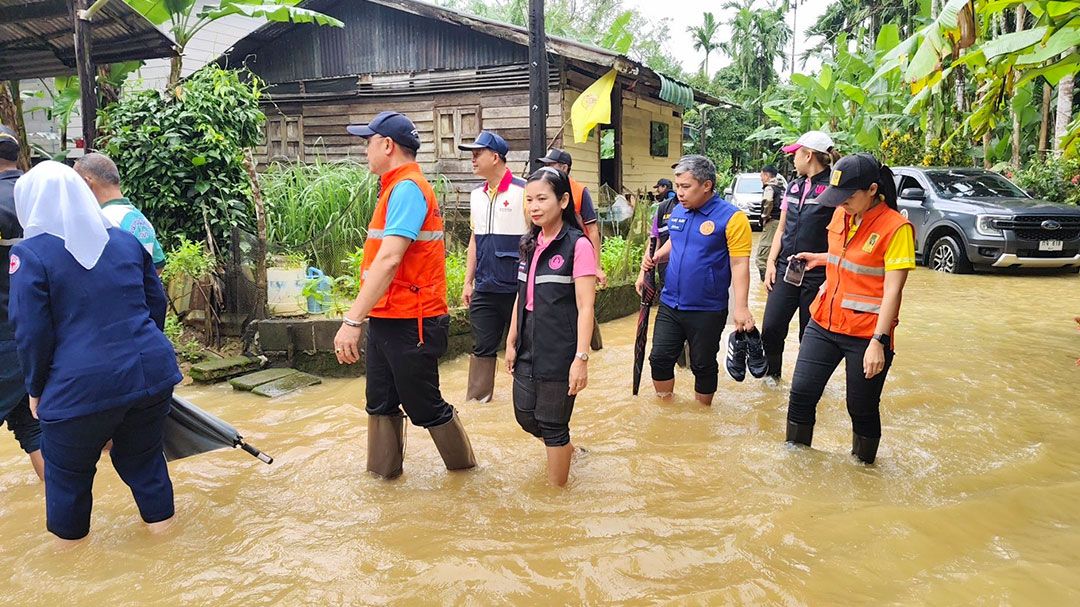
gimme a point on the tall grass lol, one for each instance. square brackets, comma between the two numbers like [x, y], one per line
[320, 210]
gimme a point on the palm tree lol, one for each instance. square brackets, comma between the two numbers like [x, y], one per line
[758, 39]
[704, 39]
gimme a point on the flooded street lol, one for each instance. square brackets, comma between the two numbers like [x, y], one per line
[974, 498]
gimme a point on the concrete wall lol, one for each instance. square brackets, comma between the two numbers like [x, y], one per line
[307, 344]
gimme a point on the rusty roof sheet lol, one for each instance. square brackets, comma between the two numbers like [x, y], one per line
[37, 38]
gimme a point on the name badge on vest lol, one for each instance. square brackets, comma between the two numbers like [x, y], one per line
[676, 224]
[871, 243]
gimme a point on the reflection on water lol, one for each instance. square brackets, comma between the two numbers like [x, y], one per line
[974, 498]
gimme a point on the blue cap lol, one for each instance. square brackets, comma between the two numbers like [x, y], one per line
[489, 140]
[394, 125]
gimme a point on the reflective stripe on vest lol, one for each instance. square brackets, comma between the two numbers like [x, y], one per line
[422, 236]
[854, 288]
[566, 280]
[10, 242]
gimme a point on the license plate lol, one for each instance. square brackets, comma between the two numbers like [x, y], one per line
[1051, 245]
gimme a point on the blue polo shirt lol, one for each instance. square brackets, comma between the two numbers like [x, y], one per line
[703, 241]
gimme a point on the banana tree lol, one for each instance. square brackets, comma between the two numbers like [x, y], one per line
[1001, 65]
[184, 21]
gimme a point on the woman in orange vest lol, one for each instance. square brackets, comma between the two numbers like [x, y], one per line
[871, 250]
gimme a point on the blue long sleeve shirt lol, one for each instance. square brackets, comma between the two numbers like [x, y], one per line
[90, 340]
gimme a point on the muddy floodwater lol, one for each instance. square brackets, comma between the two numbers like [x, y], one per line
[975, 498]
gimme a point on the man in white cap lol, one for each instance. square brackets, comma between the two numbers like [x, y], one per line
[802, 229]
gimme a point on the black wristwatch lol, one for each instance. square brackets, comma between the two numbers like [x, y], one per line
[883, 338]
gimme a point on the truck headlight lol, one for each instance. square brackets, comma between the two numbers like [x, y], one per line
[987, 224]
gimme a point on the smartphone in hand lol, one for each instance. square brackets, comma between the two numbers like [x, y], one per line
[796, 269]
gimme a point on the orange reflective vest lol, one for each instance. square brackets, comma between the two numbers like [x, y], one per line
[577, 190]
[850, 299]
[419, 287]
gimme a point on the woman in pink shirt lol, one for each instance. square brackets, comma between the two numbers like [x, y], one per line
[547, 348]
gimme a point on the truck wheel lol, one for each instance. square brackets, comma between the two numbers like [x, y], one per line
[948, 256]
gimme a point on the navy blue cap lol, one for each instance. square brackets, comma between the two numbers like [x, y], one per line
[487, 140]
[850, 174]
[394, 125]
[9, 144]
[664, 182]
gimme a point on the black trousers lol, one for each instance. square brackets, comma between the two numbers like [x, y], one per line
[542, 408]
[702, 330]
[819, 354]
[403, 373]
[784, 300]
[489, 315]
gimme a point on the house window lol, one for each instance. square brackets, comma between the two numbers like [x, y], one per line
[453, 126]
[658, 138]
[285, 138]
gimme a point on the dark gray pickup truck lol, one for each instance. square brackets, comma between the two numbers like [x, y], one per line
[966, 218]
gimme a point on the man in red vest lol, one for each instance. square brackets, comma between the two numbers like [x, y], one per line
[403, 294]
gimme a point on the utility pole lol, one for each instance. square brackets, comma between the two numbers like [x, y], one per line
[538, 82]
[794, 32]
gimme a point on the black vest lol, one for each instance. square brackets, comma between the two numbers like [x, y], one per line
[10, 233]
[807, 227]
[663, 212]
[553, 342]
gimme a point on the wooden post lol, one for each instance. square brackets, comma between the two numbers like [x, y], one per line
[617, 124]
[84, 64]
[260, 236]
[538, 82]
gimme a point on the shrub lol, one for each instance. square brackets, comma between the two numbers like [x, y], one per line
[1055, 179]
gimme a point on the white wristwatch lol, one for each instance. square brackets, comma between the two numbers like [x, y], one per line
[582, 356]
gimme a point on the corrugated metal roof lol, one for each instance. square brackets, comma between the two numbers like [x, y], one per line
[296, 52]
[37, 38]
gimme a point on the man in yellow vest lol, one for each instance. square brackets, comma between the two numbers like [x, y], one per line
[403, 293]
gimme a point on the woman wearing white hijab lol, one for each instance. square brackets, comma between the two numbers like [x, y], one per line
[88, 311]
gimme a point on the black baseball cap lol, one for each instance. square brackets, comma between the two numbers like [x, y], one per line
[487, 140]
[556, 156]
[9, 144]
[664, 182]
[393, 125]
[850, 174]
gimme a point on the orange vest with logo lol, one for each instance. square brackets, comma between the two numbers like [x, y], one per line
[851, 297]
[419, 287]
[577, 190]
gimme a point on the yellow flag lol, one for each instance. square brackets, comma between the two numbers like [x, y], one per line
[593, 107]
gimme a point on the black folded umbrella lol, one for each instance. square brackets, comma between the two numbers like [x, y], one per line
[648, 295]
[190, 431]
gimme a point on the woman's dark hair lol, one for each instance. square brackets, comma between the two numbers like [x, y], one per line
[827, 159]
[560, 184]
[886, 186]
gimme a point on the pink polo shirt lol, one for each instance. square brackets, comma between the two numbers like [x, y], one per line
[584, 264]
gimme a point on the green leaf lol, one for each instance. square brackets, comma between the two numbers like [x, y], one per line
[161, 11]
[1011, 43]
[888, 38]
[1060, 41]
[852, 92]
[1053, 72]
[271, 12]
[198, 161]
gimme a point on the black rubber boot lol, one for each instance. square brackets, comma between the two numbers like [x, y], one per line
[864, 448]
[800, 434]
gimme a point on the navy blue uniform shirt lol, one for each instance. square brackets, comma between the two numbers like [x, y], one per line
[10, 234]
[90, 340]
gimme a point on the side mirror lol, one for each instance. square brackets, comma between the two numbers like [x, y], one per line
[728, 193]
[913, 194]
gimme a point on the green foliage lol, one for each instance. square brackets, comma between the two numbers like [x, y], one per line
[1056, 180]
[620, 258]
[187, 349]
[181, 157]
[188, 259]
[455, 277]
[321, 210]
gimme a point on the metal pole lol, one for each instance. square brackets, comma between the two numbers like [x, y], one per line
[87, 73]
[538, 82]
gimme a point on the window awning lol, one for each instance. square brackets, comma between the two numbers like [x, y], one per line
[676, 92]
